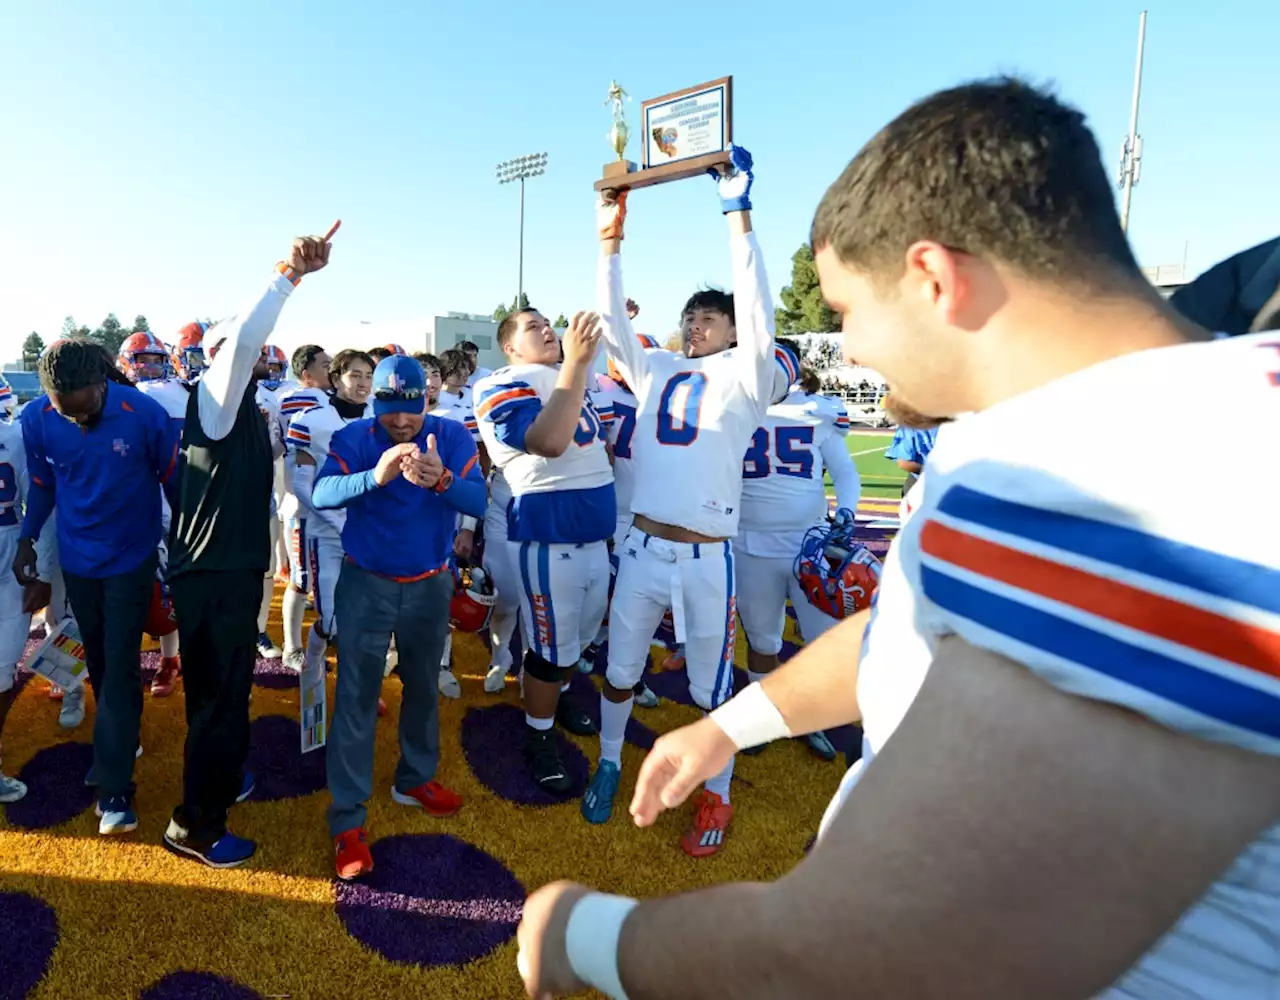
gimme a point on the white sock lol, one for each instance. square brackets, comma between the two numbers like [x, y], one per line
[719, 783]
[317, 646]
[448, 651]
[542, 725]
[292, 607]
[169, 646]
[752, 676]
[613, 728]
[264, 609]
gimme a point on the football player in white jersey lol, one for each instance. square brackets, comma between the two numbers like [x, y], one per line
[697, 413]
[16, 601]
[310, 367]
[8, 401]
[310, 432]
[617, 407]
[472, 352]
[145, 360]
[546, 437]
[455, 369]
[1070, 687]
[465, 539]
[265, 394]
[783, 496]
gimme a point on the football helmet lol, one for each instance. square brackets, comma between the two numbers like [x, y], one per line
[8, 401]
[473, 599]
[838, 575]
[188, 353]
[276, 364]
[143, 358]
[161, 620]
[395, 349]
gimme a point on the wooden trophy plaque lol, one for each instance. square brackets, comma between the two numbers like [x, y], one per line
[683, 134]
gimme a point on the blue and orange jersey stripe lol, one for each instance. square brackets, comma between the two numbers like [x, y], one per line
[1186, 634]
[501, 396]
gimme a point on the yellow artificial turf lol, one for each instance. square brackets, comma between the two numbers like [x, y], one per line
[129, 912]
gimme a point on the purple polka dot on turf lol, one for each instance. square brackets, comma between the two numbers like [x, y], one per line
[586, 697]
[847, 740]
[150, 664]
[493, 743]
[274, 674]
[431, 900]
[674, 685]
[29, 930]
[280, 769]
[197, 986]
[56, 791]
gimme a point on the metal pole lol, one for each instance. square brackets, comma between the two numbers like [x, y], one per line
[520, 285]
[1133, 126]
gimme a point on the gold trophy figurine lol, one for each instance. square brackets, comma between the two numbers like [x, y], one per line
[619, 134]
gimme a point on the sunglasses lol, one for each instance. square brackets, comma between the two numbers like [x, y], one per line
[388, 395]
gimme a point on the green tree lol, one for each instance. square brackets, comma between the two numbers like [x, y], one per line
[110, 334]
[31, 350]
[140, 325]
[503, 311]
[802, 309]
[562, 321]
[71, 329]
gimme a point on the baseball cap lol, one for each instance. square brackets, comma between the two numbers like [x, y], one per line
[399, 386]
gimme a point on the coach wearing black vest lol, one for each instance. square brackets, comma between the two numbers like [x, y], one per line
[219, 550]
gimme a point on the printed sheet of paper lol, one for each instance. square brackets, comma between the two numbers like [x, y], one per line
[313, 708]
[60, 658]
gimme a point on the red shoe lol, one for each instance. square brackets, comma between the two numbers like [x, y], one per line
[711, 816]
[382, 708]
[162, 686]
[352, 849]
[674, 662]
[431, 796]
[55, 692]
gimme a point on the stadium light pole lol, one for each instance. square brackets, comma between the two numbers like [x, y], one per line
[1131, 151]
[521, 169]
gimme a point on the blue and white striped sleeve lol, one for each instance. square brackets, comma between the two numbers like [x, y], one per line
[1095, 599]
[510, 407]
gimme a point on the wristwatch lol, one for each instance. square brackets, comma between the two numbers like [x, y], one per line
[444, 482]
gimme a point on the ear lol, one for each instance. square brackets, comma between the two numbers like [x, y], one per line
[935, 272]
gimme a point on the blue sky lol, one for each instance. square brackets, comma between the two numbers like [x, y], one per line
[158, 157]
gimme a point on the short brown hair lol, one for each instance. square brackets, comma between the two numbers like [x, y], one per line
[997, 169]
[810, 382]
[510, 323]
[428, 361]
[343, 360]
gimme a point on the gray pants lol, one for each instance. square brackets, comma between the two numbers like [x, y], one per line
[369, 610]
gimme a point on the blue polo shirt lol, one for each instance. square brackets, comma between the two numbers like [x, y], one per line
[400, 531]
[105, 480]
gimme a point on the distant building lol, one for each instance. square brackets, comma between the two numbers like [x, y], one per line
[453, 328]
[1167, 278]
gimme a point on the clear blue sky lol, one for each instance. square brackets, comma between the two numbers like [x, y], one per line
[157, 157]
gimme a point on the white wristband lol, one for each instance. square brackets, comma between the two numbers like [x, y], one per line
[591, 940]
[750, 718]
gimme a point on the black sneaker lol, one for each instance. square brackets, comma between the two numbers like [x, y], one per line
[574, 720]
[543, 758]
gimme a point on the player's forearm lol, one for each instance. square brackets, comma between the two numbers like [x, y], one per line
[223, 385]
[844, 474]
[716, 943]
[302, 481]
[753, 311]
[40, 500]
[817, 688]
[553, 429]
[615, 325]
